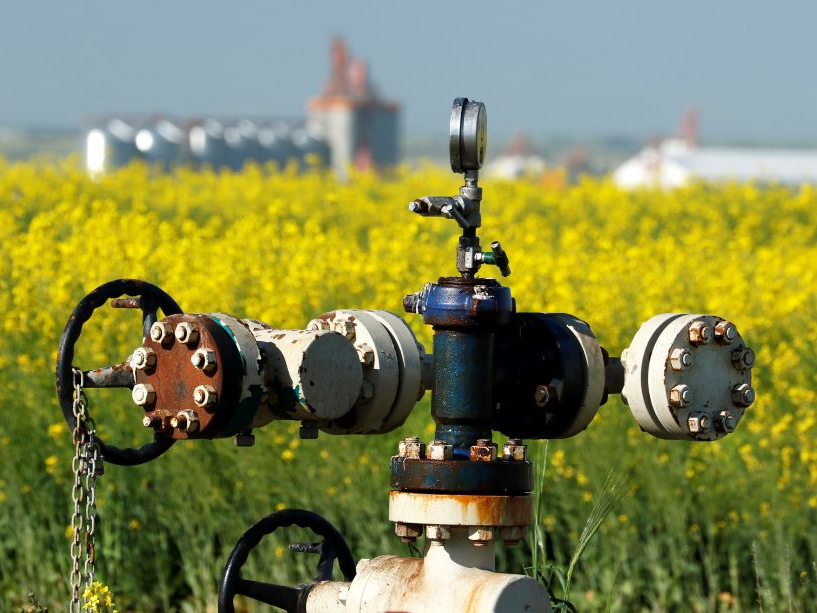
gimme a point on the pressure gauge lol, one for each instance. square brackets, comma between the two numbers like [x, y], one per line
[468, 135]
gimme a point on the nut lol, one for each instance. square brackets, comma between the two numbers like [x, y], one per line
[743, 395]
[481, 535]
[186, 333]
[143, 394]
[743, 358]
[205, 396]
[411, 447]
[511, 535]
[143, 358]
[365, 353]
[698, 423]
[186, 421]
[681, 395]
[366, 391]
[435, 532]
[244, 439]
[700, 333]
[204, 359]
[407, 532]
[318, 324]
[725, 332]
[344, 327]
[483, 451]
[541, 396]
[680, 359]
[514, 450]
[725, 422]
[439, 450]
[161, 332]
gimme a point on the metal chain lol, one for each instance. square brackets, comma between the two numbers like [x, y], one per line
[87, 463]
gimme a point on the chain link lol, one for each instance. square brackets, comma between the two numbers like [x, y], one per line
[87, 464]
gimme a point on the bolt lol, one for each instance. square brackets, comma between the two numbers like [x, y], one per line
[680, 395]
[514, 450]
[436, 532]
[205, 396]
[143, 394]
[365, 353]
[511, 535]
[186, 421]
[204, 359]
[345, 327]
[161, 332]
[244, 439]
[700, 333]
[481, 535]
[680, 359]
[743, 358]
[725, 332]
[143, 358]
[743, 395]
[151, 422]
[542, 395]
[698, 423]
[725, 422]
[411, 447]
[483, 451]
[407, 532]
[439, 450]
[186, 333]
[366, 392]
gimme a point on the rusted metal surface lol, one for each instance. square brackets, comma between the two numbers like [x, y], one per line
[458, 475]
[118, 375]
[174, 378]
[127, 303]
[460, 509]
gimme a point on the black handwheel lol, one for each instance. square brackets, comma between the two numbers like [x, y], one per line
[150, 299]
[291, 599]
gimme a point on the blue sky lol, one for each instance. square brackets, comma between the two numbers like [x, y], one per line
[580, 69]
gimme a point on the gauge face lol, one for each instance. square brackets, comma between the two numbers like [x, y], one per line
[468, 135]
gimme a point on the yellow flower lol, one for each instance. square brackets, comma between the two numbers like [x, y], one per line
[287, 455]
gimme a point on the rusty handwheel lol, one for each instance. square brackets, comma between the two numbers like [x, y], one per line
[145, 296]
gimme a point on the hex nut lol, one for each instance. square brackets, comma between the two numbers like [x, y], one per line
[512, 535]
[407, 532]
[204, 359]
[411, 447]
[366, 391]
[483, 451]
[726, 422]
[439, 450]
[186, 333]
[743, 358]
[480, 535]
[743, 395]
[161, 332]
[205, 395]
[725, 332]
[436, 532]
[143, 394]
[698, 423]
[365, 353]
[541, 396]
[186, 421]
[244, 439]
[699, 333]
[514, 451]
[345, 328]
[143, 358]
[681, 396]
[680, 359]
[317, 325]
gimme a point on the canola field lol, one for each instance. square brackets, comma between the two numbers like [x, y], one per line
[728, 526]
